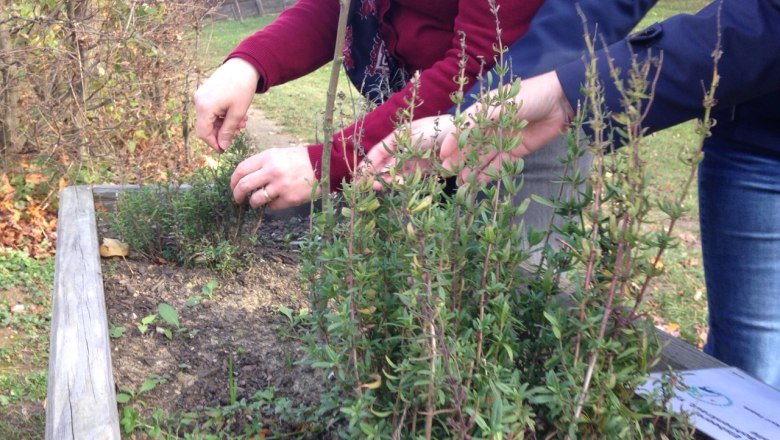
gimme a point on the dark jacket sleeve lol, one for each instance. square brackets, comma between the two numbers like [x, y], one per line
[749, 67]
[555, 36]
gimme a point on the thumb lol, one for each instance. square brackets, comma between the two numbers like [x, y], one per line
[378, 160]
[231, 124]
[380, 156]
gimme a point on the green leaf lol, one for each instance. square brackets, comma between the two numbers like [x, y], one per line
[168, 314]
[116, 332]
[554, 323]
[286, 311]
[122, 398]
[148, 385]
[208, 289]
[542, 201]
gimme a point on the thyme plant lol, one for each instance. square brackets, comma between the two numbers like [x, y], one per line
[196, 223]
[432, 321]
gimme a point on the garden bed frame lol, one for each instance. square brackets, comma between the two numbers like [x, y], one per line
[81, 399]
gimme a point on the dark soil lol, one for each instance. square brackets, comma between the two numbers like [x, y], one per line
[241, 321]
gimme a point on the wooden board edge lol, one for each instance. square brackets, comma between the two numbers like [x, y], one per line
[81, 400]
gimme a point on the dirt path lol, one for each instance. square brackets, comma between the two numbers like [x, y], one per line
[265, 132]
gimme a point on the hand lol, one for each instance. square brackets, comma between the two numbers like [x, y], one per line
[424, 134]
[222, 101]
[278, 178]
[545, 107]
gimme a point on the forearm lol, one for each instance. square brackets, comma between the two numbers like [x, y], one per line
[552, 40]
[749, 38]
[435, 84]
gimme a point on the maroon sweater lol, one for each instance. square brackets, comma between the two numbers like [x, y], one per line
[422, 35]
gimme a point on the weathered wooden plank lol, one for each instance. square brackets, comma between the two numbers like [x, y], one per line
[680, 355]
[81, 403]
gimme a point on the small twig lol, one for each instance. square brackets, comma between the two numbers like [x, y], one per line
[259, 221]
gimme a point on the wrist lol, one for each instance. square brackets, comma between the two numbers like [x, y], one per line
[243, 69]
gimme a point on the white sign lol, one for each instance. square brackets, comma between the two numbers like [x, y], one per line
[726, 404]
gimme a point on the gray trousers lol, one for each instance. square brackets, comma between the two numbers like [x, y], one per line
[542, 174]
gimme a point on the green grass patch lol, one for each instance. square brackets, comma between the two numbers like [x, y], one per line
[25, 305]
[221, 37]
[666, 8]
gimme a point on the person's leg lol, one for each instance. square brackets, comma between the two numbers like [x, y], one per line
[739, 209]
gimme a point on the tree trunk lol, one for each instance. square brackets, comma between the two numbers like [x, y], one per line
[76, 15]
[260, 7]
[238, 11]
[9, 94]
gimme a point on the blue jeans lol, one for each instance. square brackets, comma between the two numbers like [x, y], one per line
[739, 209]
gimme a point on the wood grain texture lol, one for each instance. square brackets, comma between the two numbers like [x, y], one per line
[680, 355]
[81, 403]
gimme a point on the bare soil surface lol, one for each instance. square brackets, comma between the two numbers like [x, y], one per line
[239, 323]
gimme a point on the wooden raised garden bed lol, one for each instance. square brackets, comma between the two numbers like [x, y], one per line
[81, 399]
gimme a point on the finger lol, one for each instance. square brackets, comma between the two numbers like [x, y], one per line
[264, 195]
[247, 188]
[247, 166]
[247, 177]
[230, 126]
[381, 155]
[205, 129]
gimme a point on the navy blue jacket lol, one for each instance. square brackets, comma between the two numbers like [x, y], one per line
[555, 35]
[748, 95]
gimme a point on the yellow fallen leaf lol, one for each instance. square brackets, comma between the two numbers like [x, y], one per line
[367, 310]
[373, 385]
[112, 247]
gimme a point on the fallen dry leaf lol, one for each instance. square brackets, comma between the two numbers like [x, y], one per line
[373, 385]
[670, 328]
[112, 247]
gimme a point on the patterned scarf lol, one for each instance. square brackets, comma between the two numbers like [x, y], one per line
[368, 63]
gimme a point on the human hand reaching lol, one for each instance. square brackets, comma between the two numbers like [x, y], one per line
[424, 135]
[541, 102]
[278, 178]
[221, 103]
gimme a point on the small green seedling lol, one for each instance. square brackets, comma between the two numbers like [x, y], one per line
[115, 332]
[207, 291]
[146, 321]
[294, 319]
[170, 316]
